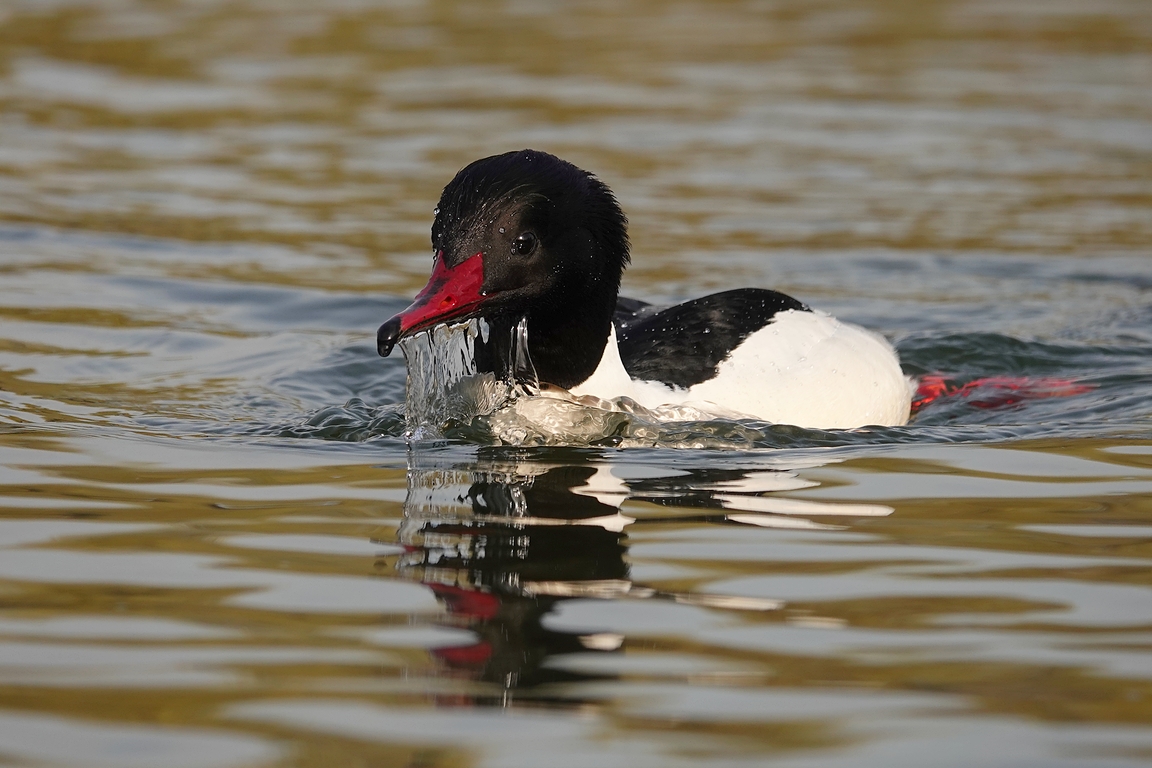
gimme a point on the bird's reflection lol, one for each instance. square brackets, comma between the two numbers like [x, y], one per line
[502, 541]
[500, 547]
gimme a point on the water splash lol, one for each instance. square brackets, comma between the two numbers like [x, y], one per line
[445, 385]
[450, 394]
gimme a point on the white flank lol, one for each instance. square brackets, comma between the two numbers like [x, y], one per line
[803, 368]
[610, 381]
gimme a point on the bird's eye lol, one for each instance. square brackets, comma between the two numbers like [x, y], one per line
[524, 244]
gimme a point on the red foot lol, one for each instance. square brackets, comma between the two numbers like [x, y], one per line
[993, 391]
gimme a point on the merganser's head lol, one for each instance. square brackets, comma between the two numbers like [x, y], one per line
[523, 233]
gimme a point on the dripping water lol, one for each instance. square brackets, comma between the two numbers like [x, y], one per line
[460, 371]
[444, 384]
[476, 380]
[522, 371]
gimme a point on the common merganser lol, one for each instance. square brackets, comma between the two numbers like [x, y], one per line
[528, 235]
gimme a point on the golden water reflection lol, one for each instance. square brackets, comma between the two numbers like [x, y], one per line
[216, 549]
[601, 603]
[947, 125]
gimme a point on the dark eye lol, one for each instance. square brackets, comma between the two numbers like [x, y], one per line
[524, 244]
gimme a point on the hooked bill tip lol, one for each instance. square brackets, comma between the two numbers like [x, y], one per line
[387, 336]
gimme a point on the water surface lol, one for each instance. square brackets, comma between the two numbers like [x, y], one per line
[217, 548]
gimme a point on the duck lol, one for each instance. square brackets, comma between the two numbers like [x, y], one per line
[525, 236]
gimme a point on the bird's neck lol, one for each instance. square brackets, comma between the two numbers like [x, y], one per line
[566, 344]
[566, 340]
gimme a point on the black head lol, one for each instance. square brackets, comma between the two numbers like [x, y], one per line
[524, 233]
[531, 213]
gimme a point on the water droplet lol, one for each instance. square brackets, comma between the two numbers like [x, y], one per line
[522, 368]
[501, 230]
[435, 211]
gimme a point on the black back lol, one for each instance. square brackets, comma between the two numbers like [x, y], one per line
[630, 311]
[684, 344]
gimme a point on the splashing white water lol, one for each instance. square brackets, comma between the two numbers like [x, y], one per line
[444, 386]
[447, 392]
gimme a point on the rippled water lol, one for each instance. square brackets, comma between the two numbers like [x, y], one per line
[218, 549]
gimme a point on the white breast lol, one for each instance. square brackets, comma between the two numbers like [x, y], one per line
[803, 368]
